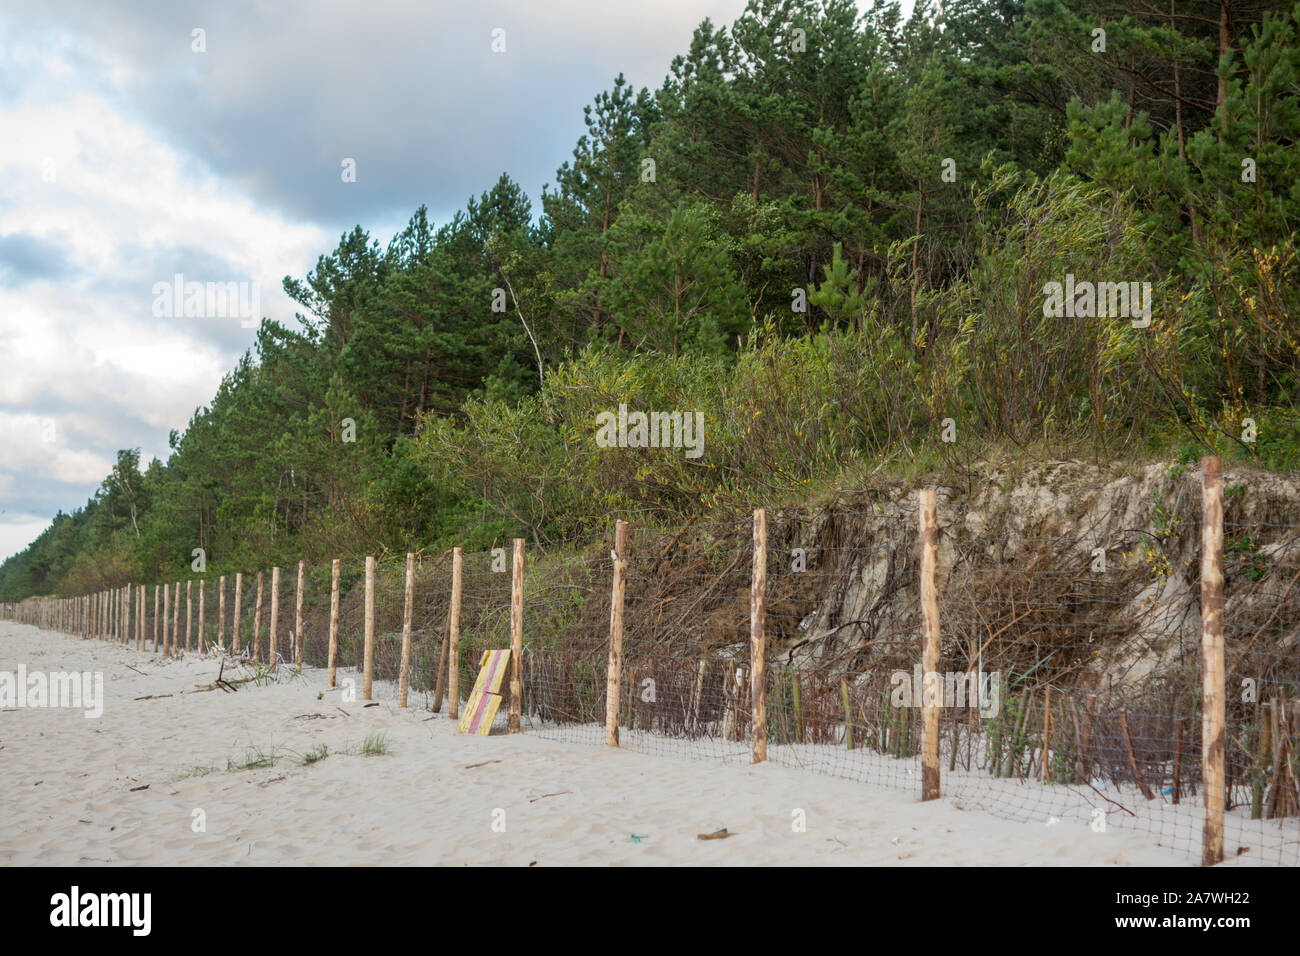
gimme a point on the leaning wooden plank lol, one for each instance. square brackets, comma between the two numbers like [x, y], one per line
[480, 709]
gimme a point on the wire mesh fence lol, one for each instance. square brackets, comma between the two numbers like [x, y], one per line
[1069, 682]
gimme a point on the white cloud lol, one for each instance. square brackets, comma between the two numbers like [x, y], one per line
[17, 534]
[82, 349]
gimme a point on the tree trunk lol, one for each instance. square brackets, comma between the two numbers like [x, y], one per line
[1223, 48]
[604, 262]
[916, 249]
[1182, 136]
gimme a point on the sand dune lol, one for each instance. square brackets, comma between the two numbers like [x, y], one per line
[128, 788]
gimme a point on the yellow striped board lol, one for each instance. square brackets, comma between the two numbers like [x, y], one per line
[485, 699]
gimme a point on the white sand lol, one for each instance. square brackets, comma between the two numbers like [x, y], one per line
[69, 794]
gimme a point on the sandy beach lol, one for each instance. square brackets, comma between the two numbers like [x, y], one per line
[163, 778]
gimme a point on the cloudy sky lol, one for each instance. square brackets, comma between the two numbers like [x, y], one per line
[128, 157]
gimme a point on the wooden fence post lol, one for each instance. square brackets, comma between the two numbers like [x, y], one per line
[273, 651]
[297, 622]
[758, 636]
[516, 638]
[257, 621]
[1213, 690]
[368, 659]
[167, 619]
[403, 677]
[930, 648]
[189, 613]
[440, 679]
[614, 670]
[203, 649]
[221, 614]
[176, 621]
[234, 618]
[453, 637]
[334, 619]
[157, 621]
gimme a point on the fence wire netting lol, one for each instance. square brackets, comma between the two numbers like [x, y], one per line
[1069, 674]
[1069, 683]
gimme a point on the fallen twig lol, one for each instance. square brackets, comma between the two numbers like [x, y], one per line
[715, 835]
[1104, 797]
